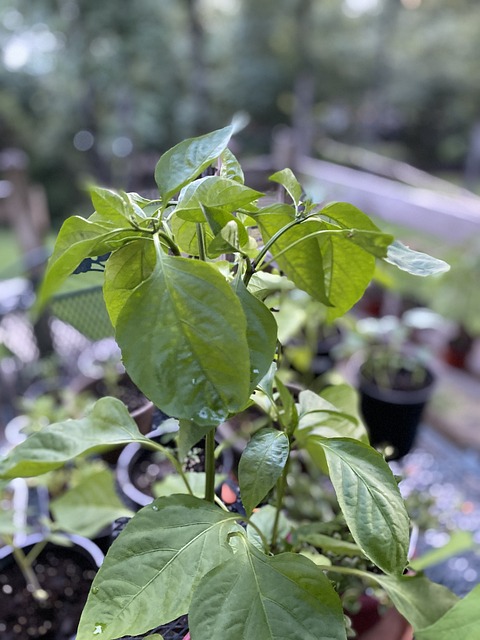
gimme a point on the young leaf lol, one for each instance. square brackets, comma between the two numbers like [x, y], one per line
[90, 506]
[261, 465]
[261, 333]
[78, 239]
[368, 497]
[319, 415]
[347, 216]
[110, 206]
[272, 598]
[418, 599]
[231, 167]
[186, 160]
[201, 368]
[151, 571]
[107, 424]
[128, 267]
[461, 621]
[288, 180]
[414, 262]
[215, 193]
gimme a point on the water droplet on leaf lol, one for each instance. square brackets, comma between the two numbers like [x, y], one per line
[99, 627]
[95, 590]
[154, 507]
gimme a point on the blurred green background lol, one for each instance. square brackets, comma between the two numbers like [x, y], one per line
[97, 90]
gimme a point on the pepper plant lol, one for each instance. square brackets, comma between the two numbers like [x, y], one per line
[184, 287]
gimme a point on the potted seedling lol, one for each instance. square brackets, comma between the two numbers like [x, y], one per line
[394, 376]
[198, 343]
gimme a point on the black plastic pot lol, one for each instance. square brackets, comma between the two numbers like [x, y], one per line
[392, 416]
[134, 457]
[64, 572]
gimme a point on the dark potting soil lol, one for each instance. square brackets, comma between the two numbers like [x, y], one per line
[66, 576]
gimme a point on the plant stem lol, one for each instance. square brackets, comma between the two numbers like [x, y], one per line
[28, 573]
[201, 242]
[210, 466]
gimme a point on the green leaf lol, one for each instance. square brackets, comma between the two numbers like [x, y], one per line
[347, 216]
[331, 414]
[261, 333]
[261, 465]
[262, 284]
[231, 167]
[303, 263]
[151, 571]
[107, 424]
[461, 621]
[329, 543]
[189, 435]
[369, 498]
[182, 333]
[90, 506]
[109, 207]
[186, 160]
[78, 239]
[420, 601]
[287, 410]
[185, 234]
[288, 180]
[414, 262]
[215, 193]
[272, 598]
[126, 268]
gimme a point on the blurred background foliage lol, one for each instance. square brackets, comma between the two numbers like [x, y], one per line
[97, 90]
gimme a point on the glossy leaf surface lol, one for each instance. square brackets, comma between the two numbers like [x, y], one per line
[272, 598]
[461, 621]
[415, 262]
[186, 160]
[182, 333]
[151, 571]
[261, 465]
[368, 497]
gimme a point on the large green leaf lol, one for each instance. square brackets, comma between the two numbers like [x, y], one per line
[261, 333]
[186, 160]
[419, 600]
[182, 333]
[303, 263]
[107, 424]
[125, 270]
[369, 498]
[269, 598]
[261, 465]
[152, 569]
[347, 216]
[461, 621]
[415, 262]
[77, 239]
[215, 193]
[89, 506]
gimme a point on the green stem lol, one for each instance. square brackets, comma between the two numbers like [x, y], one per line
[31, 579]
[210, 466]
[365, 575]
[201, 242]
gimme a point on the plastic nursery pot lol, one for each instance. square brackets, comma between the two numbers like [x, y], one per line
[65, 573]
[138, 469]
[392, 416]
